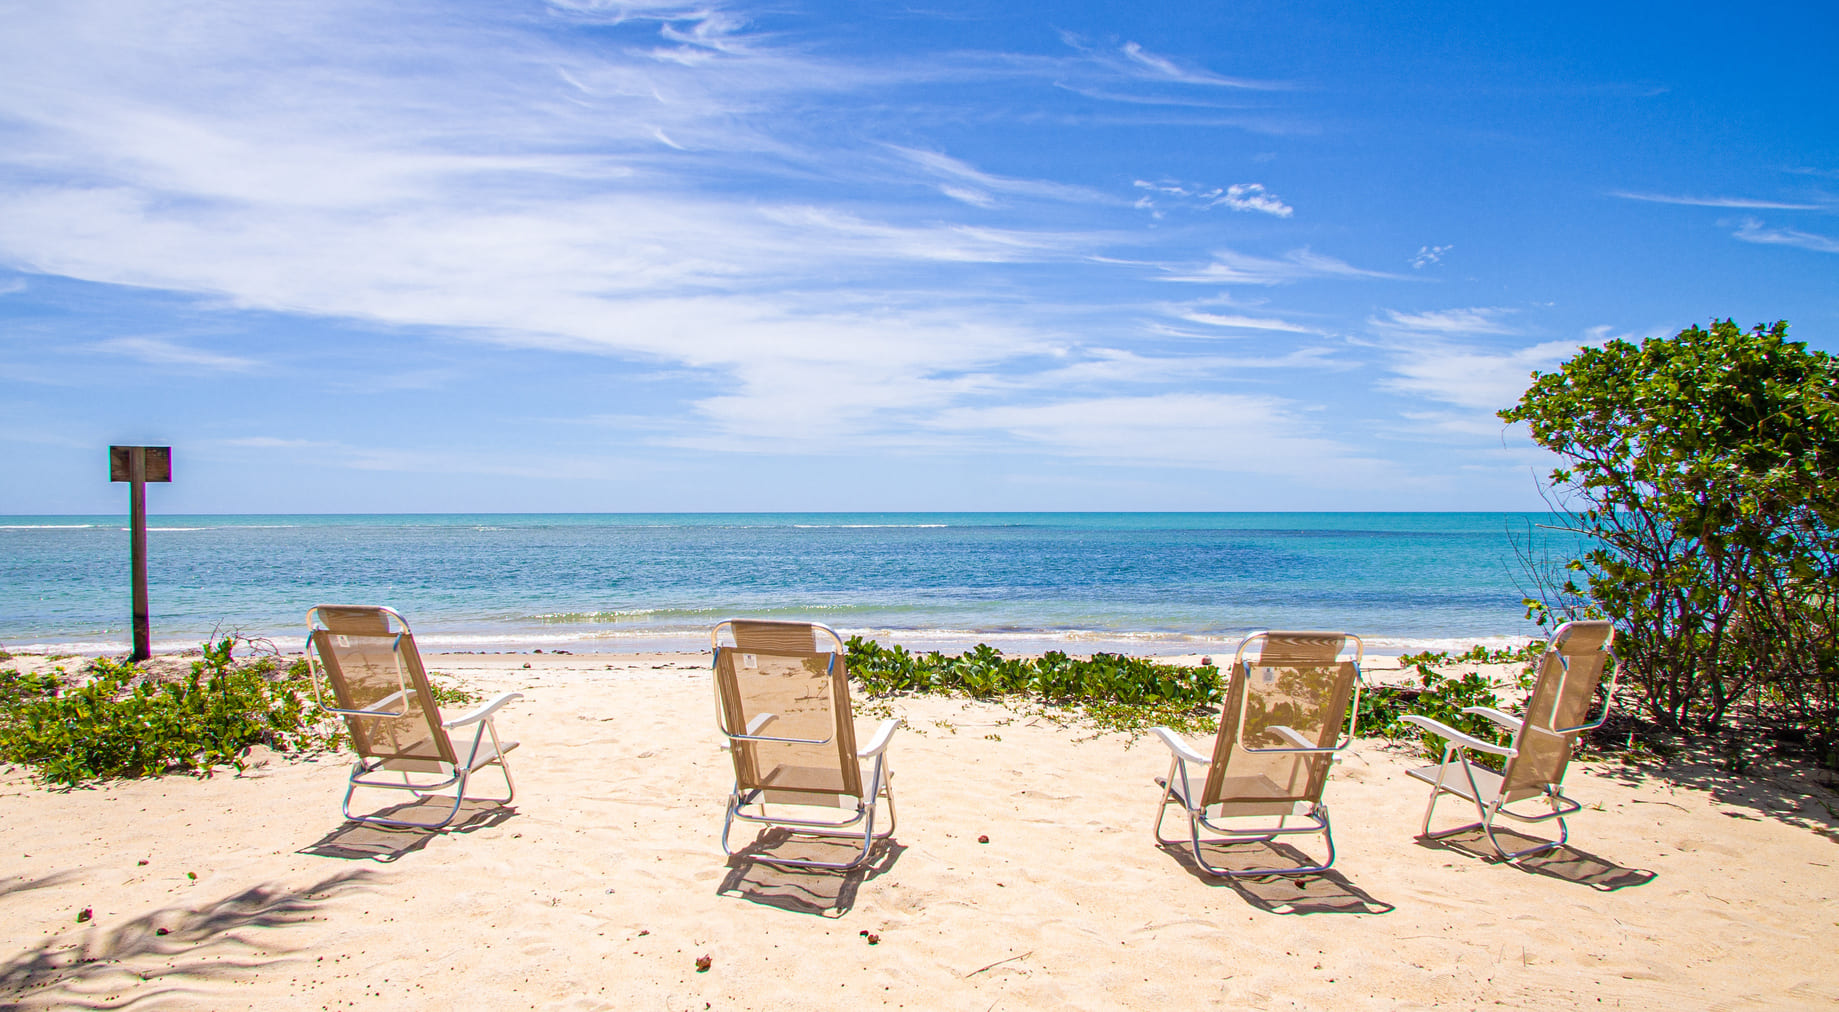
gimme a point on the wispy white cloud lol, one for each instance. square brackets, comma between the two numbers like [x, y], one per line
[1736, 202]
[272, 443]
[154, 351]
[1751, 230]
[1443, 322]
[1164, 68]
[1238, 197]
[1234, 268]
[1215, 431]
[953, 169]
[1237, 322]
[1477, 379]
[1428, 255]
[1254, 197]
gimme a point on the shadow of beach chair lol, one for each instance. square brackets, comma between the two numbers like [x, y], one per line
[1285, 717]
[782, 695]
[368, 657]
[1534, 763]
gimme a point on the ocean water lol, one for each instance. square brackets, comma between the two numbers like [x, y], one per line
[1145, 583]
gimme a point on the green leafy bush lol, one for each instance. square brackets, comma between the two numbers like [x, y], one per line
[1442, 697]
[120, 724]
[1114, 691]
[1704, 471]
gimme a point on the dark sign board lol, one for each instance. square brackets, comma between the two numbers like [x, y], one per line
[159, 463]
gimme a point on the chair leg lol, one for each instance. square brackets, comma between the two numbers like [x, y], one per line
[1319, 813]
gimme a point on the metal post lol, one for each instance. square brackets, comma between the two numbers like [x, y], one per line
[137, 528]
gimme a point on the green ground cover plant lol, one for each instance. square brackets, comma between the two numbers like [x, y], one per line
[1442, 697]
[1111, 691]
[121, 723]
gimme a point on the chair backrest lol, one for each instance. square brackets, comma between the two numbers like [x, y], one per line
[798, 673]
[1299, 682]
[368, 657]
[1556, 711]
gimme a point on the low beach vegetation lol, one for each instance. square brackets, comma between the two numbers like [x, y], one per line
[115, 720]
[1111, 691]
[1132, 694]
[1703, 472]
[1442, 694]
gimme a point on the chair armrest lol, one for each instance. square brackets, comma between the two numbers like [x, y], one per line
[879, 743]
[1290, 735]
[376, 709]
[1455, 737]
[1507, 721]
[760, 721]
[1179, 746]
[482, 712]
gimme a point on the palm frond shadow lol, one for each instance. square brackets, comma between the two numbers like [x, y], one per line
[168, 948]
[20, 884]
[819, 892]
[363, 841]
[1328, 892]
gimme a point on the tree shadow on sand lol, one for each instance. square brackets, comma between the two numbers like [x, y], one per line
[1328, 892]
[20, 884]
[363, 841]
[1747, 771]
[820, 892]
[167, 949]
[1566, 862]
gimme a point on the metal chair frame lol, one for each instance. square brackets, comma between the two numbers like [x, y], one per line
[880, 780]
[1317, 815]
[1457, 746]
[365, 772]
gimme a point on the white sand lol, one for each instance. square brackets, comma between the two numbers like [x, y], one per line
[603, 882]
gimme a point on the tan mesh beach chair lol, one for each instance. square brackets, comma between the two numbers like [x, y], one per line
[1535, 762]
[368, 657]
[1286, 715]
[782, 694]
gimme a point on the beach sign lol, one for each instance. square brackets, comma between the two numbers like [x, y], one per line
[138, 465]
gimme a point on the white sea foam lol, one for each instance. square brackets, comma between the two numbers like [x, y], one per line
[865, 527]
[45, 527]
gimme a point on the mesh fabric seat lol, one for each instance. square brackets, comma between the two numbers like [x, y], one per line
[367, 656]
[1534, 764]
[782, 695]
[1285, 716]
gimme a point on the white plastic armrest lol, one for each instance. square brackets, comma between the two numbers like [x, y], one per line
[382, 706]
[1455, 737]
[1507, 721]
[1179, 746]
[879, 743]
[753, 727]
[482, 712]
[1290, 735]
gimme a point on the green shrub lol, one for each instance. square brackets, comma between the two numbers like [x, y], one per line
[120, 724]
[1442, 697]
[1116, 692]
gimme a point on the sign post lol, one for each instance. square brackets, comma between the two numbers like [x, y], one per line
[139, 465]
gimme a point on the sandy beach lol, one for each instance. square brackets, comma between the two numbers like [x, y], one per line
[603, 883]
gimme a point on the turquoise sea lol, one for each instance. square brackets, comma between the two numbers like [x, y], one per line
[1148, 583]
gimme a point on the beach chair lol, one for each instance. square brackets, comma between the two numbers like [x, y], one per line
[1285, 717]
[782, 704]
[368, 656]
[1534, 764]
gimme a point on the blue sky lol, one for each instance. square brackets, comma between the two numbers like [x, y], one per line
[584, 256]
